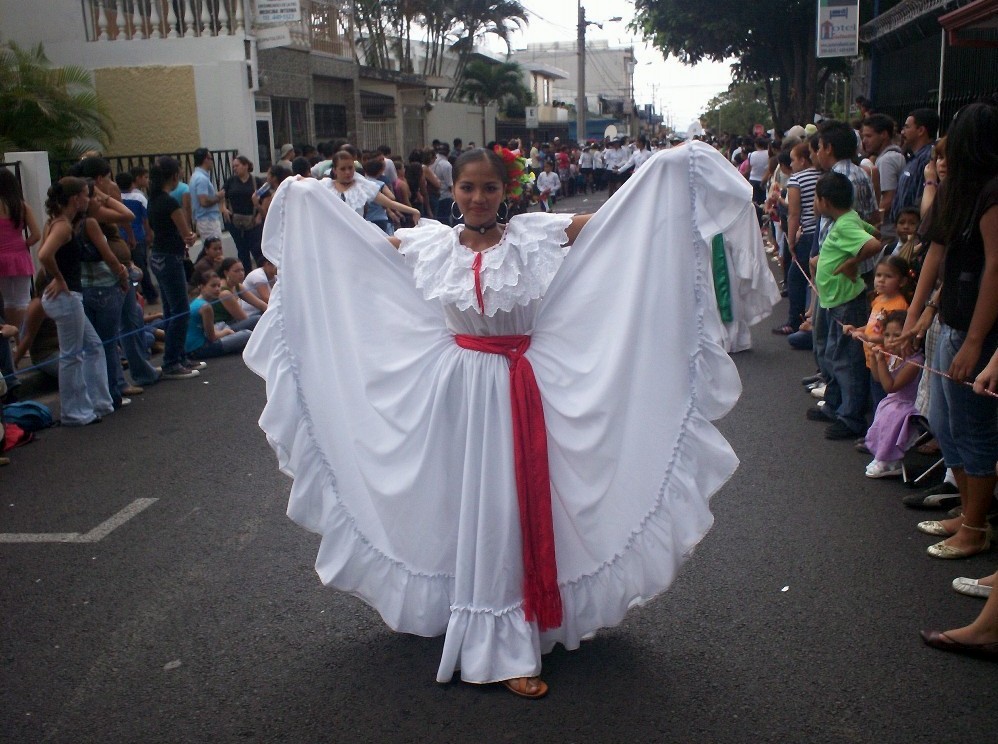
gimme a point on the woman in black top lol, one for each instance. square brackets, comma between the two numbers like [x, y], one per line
[83, 391]
[244, 224]
[964, 253]
[173, 236]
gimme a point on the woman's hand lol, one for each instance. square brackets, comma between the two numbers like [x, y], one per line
[55, 288]
[965, 360]
[987, 381]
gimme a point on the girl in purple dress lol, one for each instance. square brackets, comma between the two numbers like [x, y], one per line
[891, 435]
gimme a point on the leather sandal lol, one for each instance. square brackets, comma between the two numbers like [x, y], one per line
[934, 527]
[526, 687]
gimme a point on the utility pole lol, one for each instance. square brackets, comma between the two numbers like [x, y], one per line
[580, 94]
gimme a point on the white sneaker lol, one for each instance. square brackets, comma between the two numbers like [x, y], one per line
[818, 392]
[179, 373]
[881, 469]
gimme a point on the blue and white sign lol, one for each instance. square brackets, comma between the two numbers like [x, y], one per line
[838, 28]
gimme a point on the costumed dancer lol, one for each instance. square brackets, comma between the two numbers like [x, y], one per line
[502, 431]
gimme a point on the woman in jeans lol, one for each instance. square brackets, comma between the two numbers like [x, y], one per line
[244, 224]
[83, 389]
[173, 236]
[964, 251]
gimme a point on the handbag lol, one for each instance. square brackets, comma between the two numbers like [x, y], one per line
[244, 221]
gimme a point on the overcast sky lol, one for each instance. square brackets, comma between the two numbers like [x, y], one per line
[679, 92]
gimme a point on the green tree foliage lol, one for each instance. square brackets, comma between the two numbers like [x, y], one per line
[737, 110]
[773, 41]
[386, 29]
[48, 108]
[485, 83]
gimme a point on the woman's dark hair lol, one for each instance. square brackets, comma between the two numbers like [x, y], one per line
[245, 161]
[227, 263]
[478, 155]
[342, 155]
[836, 188]
[413, 172]
[203, 253]
[61, 192]
[11, 196]
[971, 161]
[164, 169]
[92, 167]
[201, 278]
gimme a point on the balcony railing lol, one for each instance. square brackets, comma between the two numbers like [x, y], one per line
[119, 20]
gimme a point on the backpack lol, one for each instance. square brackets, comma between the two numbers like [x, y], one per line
[29, 415]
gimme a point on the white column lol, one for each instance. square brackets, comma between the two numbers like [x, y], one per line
[171, 20]
[204, 20]
[239, 16]
[189, 11]
[101, 22]
[155, 20]
[223, 18]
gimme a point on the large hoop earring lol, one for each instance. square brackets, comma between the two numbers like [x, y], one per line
[503, 214]
[455, 212]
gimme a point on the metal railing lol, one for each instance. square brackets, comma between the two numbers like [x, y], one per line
[121, 163]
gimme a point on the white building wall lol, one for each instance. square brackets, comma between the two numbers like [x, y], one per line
[446, 121]
[226, 117]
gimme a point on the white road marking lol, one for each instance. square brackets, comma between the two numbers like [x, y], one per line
[95, 535]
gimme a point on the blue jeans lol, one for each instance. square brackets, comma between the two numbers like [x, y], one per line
[103, 308]
[248, 245]
[231, 344]
[134, 341]
[140, 257]
[797, 281]
[169, 271]
[83, 393]
[843, 362]
[965, 424]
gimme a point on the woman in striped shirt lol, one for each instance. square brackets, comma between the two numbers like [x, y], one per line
[801, 224]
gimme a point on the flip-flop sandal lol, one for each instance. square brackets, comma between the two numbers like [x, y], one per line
[521, 686]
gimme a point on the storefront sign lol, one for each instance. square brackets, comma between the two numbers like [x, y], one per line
[838, 28]
[277, 11]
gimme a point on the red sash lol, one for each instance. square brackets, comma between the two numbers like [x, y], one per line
[541, 596]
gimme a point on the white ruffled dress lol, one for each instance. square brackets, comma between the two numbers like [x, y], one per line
[400, 442]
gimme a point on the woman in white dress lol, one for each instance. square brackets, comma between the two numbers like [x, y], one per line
[414, 385]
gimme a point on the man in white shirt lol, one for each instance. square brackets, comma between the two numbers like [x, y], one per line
[442, 169]
[613, 160]
[548, 184]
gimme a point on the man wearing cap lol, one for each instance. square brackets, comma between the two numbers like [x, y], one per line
[207, 202]
[288, 153]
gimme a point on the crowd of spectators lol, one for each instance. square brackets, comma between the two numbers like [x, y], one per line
[888, 241]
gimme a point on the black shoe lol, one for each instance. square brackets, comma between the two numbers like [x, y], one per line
[817, 414]
[811, 379]
[943, 496]
[839, 430]
[860, 446]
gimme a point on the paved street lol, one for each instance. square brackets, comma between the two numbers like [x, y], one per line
[184, 606]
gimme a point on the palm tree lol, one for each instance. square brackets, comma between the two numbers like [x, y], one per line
[479, 18]
[48, 108]
[484, 84]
